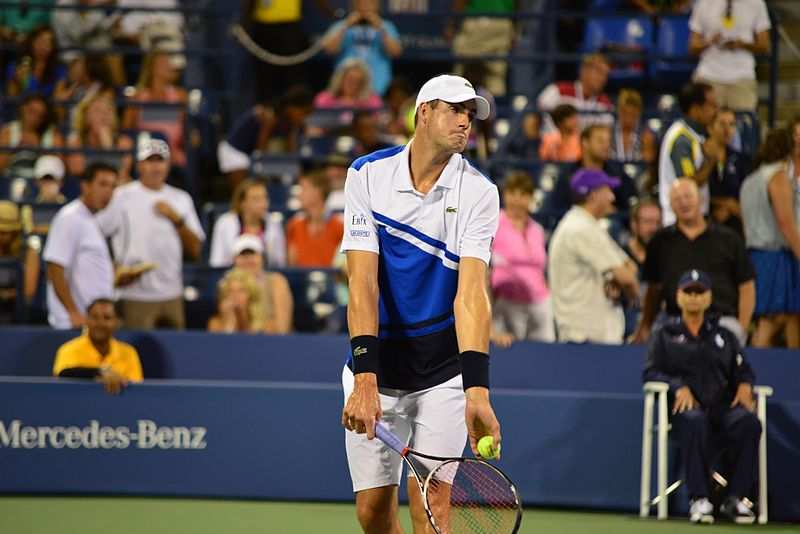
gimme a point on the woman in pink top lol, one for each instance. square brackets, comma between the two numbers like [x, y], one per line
[350, 87]
[157, 84]
[521, 297]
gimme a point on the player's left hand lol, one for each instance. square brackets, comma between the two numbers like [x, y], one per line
[480, 418]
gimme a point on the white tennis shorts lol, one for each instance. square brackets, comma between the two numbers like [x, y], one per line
[430, 421]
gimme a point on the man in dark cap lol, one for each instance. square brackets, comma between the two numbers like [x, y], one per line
[711, 387]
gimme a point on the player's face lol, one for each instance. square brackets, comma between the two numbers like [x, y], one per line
[98, 192]
[693, 299]
[255, 202]
[450, 124]
[101, 321]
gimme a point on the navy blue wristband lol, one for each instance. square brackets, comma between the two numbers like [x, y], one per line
[364, 351]
[474, 369]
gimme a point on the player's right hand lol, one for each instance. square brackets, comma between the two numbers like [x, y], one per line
[363, 407]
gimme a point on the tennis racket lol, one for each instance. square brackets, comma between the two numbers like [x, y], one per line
[461, 495]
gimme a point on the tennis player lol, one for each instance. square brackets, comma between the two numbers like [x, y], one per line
[419, 223]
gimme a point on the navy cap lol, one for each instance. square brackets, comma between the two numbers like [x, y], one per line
[694, 278]
[586, 180]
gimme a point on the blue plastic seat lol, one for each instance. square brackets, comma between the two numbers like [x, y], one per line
[673, 41]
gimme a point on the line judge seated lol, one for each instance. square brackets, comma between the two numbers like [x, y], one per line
[96, 355]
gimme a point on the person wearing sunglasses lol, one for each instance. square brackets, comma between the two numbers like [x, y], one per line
[711, 390]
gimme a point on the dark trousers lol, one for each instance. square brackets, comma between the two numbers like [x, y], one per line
[739, 431]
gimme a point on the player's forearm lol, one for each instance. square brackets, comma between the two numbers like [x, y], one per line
[362, 309]
[473, 313]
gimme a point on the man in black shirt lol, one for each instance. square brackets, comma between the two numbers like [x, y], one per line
[693, 243]
[712, 387]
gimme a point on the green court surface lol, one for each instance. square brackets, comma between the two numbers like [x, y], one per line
[127, 515]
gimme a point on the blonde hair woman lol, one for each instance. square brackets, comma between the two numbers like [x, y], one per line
[157, 83]
[96, 126]
[350, 87]
[240, 308]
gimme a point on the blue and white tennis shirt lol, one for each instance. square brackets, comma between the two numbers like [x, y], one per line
[420, 240]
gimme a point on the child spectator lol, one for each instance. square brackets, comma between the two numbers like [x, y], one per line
[562, 144]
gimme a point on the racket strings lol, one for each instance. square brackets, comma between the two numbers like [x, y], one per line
[481, 499]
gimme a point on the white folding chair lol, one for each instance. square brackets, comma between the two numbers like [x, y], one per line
[656, 393]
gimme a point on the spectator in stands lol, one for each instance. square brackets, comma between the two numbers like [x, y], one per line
[14, 247]
[728, 174]
[522, 304]
[366, 36]
[562, 144]
[313, 236]
[34, 128]
[38, 69]
[335, 171]
[772, 233]
[239, 304]
[726, 35]
[794, 160]
[399, 104]
[86, 75]
[589, 273]
[655, 7]
[586, 93]
[16, 23]
[631, 140]
[97, 355]
[645, 222]
[91, 29]
[49, 174]
[157, 84]
[685, 152]
[711, 385]
[367, 134]
[153, 225]
[95, 127]
[525, 145]
[276, 296]
[480, 36]
[79, 265]
[595, 144]
[693, 243]
[277, 27]
[249, 215]
[264, 129]
[349, 88]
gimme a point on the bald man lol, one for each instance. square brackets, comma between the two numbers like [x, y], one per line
[694, 243]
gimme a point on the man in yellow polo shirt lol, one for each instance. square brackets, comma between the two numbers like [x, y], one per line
[97, 355]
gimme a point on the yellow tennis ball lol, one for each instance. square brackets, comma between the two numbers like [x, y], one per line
[486, 448]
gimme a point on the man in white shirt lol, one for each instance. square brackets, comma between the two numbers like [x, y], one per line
[726, 34]
[588, 271]
[152, 224]
[79, 266]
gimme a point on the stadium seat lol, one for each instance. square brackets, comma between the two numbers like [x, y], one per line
[672, 41]
[604, 5]
[655, 397]
[620, 35]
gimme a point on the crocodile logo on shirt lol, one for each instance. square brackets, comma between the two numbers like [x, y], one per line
[451, 209]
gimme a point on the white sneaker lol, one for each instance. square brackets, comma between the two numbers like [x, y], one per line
[701, 511]
[737, 511]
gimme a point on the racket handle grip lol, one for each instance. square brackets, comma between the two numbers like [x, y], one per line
[388, 437]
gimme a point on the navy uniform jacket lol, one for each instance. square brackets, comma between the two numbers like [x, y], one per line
[712, 364]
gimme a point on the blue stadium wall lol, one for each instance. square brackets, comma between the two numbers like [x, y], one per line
[258, 417]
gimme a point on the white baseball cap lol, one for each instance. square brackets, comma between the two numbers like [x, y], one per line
[49, 166]
[248, 242]
[151, 146]
[452, 89]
